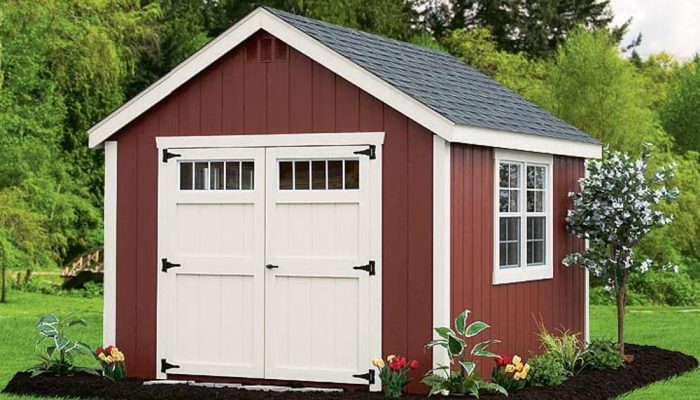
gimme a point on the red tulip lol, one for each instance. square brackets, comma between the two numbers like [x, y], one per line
[413, 364]
[108, 350]
[503, 360]
[99, 350]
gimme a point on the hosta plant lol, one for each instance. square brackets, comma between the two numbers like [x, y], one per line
[459, 376]
[394, 374]
[510, 372]
[57, 351]
[112, 362]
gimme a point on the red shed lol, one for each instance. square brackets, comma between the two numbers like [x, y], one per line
[297, 198]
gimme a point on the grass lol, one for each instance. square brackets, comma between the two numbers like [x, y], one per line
[670, 328]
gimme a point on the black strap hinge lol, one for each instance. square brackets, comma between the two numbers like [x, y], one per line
[369, 268]
[166, 265]
[371, 151]
[369, 376]
[165, 366]
[168, 155]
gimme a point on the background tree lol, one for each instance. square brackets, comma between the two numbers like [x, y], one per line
[535, 27]
[616, 207]
[680, 116]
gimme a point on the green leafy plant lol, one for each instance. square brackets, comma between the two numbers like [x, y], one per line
[57, 357]
[602, 353]
[463, 379]
[566, 347]
[394, 374]
[546, 370]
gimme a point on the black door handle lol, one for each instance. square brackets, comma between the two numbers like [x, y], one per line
[270, 266]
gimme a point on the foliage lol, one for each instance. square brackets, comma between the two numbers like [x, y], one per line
[566, 347]
[112, 362]
[534, 27]
[602, 353]
[680, 115]
[463, 380]
[600, 93]
[614, 210]
[394, 374]
[43, 286]
[510, 373]
[58, 354]
[546, 369]
[23, 238]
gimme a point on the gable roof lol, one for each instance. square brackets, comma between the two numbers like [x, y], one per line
[457, 91]
[436, 90]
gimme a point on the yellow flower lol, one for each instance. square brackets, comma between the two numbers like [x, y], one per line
[518, 366]
[510, 368]
[109, 359]
[378, 362]
[391, 357]
[115, 350]
[526, 368]
[102, 356]
[517, 376]
[516, 360]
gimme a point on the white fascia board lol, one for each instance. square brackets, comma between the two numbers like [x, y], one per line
[175, 78]
[312, 48]
[271, 140]
[525, 142]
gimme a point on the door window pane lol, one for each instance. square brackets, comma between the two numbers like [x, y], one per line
[185, 176]
[233, 175]
[216, 175]
[286, 175]
[335, 174]
[509, 242]
[247, 175]
[318, 175]
[301, 175]
[200, 175]
[352, 174]
[536, 240]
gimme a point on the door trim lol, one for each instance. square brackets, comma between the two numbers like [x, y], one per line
[284, 140]
[272, 140]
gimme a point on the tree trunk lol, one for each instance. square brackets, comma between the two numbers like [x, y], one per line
[621, 299]
[3, 290]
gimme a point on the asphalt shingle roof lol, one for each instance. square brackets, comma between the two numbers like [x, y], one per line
[459, 92]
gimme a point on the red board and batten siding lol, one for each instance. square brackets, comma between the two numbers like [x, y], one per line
[296, 95]
[512, 310]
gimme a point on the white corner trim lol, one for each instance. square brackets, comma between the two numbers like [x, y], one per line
[269, 140]
[109, 322]
[442, 179]
[525, 142]
[375, 286]
[523, 273]
[587, 293]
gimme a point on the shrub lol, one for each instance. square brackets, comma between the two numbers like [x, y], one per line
[58, 355]
[602, 354]
[510, 372]
[546, 370]
[566, 347]
[462, 380]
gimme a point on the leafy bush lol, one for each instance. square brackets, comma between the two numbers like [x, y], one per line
[37, 285]
[566, 347]
[546, 370]
[57, 357]
[463, 380]
[602, 353]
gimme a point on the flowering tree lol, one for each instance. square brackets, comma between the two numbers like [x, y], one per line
[616, 207]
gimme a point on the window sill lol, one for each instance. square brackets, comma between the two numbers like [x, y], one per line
[526, 274]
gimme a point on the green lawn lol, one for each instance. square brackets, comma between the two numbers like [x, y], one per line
[671, 328]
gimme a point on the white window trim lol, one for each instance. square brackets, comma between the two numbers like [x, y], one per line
[523, 273]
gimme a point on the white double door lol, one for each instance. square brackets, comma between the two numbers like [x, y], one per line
[258, 248]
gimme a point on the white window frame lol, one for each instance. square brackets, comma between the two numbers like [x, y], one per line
[523, 272]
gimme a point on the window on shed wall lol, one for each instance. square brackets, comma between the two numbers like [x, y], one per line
[217, 175]
[523, 220]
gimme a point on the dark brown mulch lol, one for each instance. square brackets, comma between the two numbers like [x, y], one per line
[651, 364]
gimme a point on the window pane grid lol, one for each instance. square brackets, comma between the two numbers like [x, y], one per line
[301, 175]
[522, 183]
[220, 175]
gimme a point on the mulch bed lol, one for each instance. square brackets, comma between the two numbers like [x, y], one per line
[651, 364]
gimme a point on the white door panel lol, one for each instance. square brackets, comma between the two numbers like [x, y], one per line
[214, 307]
[317, 308]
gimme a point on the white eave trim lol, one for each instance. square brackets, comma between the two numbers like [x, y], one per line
[271, 140]
[340, 65]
